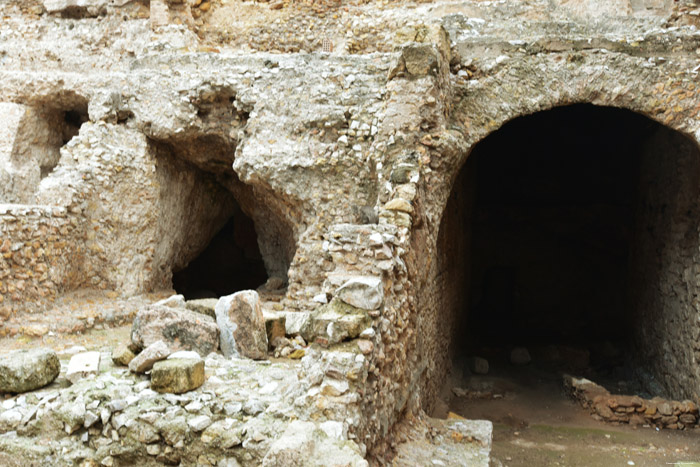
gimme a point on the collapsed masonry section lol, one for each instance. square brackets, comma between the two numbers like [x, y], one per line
[574, 232]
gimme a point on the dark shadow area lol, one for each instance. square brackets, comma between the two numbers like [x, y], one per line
[230, 263]
[553, 222]
[562, 222]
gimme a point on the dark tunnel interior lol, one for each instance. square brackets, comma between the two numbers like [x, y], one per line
[560, 223]
[230, 263]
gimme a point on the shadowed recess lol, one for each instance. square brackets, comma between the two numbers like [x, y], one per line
[572, 228]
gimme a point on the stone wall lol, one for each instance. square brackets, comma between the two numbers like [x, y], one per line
[665, 262]
[348, 165]
[40, 255]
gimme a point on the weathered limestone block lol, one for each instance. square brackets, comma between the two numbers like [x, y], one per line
[122, 355]
[181, 329]
[242, 325]
[153, 353]
[26, 370]
[362, 292]
[174, 301]
[83, 365]
[177, 375]
[206, 306]
[298, 323]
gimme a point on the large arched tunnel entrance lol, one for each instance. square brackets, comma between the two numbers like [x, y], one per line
[572, 234]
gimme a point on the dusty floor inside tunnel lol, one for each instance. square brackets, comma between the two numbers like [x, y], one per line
[536, 423]
[559, 222]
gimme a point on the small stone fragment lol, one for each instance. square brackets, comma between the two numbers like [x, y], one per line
[151, 354]
[177, 375]
[199, 423]
[520, 356]
[83, 365]
[364, 292]
[365, 346]
[398, 204]
[26, 370]
[478, 366]
[122, 355]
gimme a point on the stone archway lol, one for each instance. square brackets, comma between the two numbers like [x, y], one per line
[578, 227]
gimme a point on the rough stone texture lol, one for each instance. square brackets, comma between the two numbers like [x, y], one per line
[181, 329]
[122, 355]
[275, 326]
[25, 370]
[349, 164]
[305, 443]
[633, 410]
[478, 365]
[205, 306]
[82, 365]
[362, 292]
[520, 356]
[144, 361]
[242, 325]
[177, 375]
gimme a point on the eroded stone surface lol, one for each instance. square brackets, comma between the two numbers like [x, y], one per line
[177, 375]
[345, 163]
[25, 370]
[144, 361]
[242, 325]
[180, 328]
[83, 365]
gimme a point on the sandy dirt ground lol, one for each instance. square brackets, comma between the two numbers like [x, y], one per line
[536, 424]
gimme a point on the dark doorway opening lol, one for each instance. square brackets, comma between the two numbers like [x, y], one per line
[231, 262]
[573, 227]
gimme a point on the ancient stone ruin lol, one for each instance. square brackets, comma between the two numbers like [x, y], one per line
[309, 219]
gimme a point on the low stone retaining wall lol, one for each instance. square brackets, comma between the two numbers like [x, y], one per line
[618, 408]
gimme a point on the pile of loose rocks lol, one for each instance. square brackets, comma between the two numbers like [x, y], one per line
[633, 410]
[180, 402]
